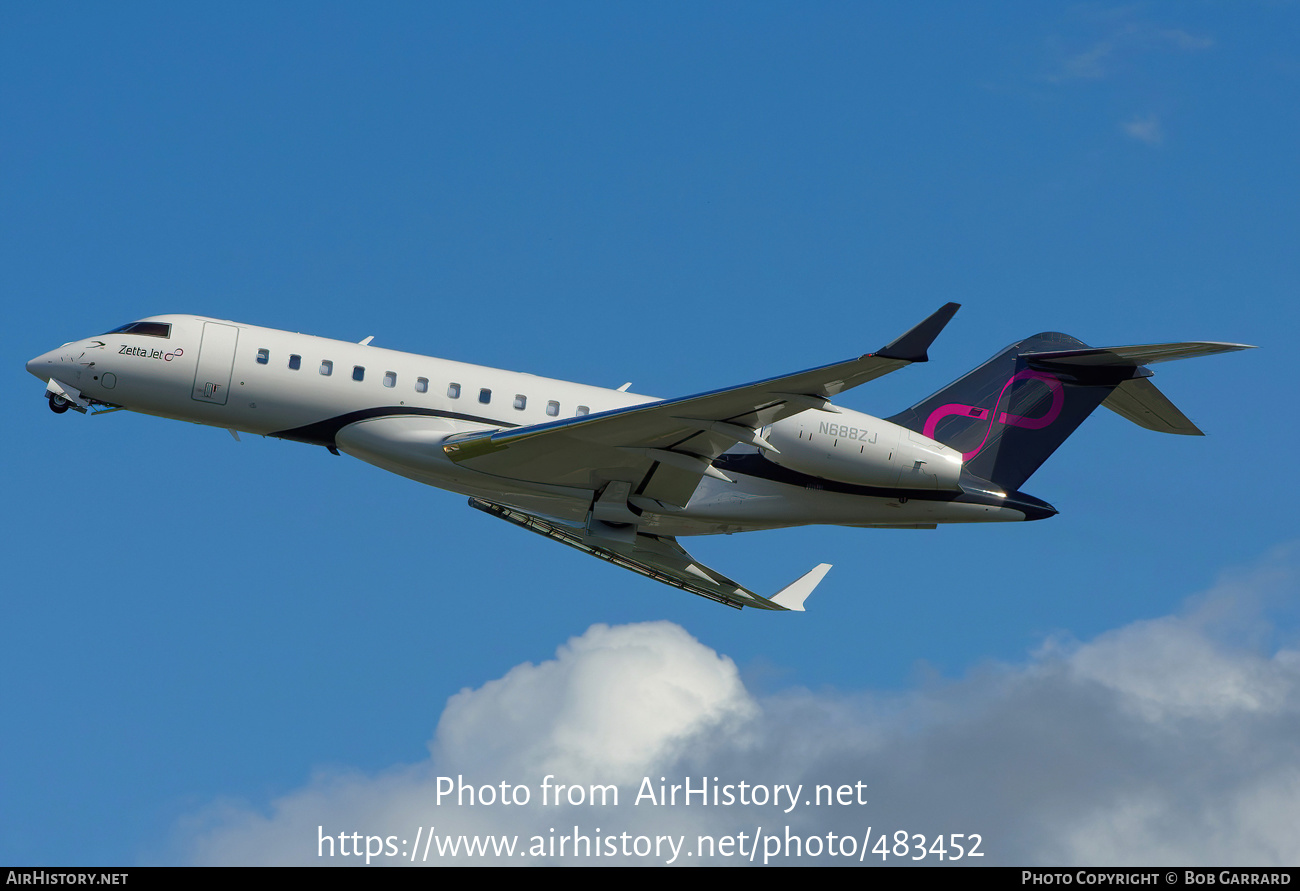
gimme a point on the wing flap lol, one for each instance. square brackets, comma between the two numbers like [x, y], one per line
[669, 484]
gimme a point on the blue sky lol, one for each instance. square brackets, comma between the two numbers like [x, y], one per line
[685, 196]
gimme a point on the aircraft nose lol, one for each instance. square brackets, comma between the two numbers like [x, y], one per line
[43, 366]
[39, 366]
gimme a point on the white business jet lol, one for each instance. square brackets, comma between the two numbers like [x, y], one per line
[621, 476]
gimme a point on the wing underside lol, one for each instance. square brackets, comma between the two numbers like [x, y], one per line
[660, 558]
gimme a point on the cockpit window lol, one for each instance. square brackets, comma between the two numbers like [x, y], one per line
[148, 329]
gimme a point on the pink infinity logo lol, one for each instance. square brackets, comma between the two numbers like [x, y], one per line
[1010, 420]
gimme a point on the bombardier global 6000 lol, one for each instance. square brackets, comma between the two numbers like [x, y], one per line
[621, 476]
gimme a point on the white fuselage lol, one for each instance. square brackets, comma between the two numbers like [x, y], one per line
[394, 409]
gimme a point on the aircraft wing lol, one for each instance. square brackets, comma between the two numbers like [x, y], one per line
[661, 558]
[661, 449]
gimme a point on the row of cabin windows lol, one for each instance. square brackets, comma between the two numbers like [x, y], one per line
[421, 384]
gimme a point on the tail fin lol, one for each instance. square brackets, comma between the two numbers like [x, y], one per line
[1010, 414]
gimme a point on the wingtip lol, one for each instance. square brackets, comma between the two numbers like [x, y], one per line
[914, 345]
[792, 596]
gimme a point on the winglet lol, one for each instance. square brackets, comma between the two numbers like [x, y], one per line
[912, 346]
[793, 595]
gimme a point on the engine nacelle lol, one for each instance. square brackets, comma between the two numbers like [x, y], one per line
[852, 447]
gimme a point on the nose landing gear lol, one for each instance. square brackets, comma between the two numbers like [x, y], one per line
[63, 397]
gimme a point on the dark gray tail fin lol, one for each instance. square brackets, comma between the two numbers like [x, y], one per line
[1010, 414]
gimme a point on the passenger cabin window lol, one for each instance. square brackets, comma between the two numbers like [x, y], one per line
[485, 395]
[553, 408]
[263, 357]
[295, 362]
[582, 410]
[422, 385]
[358, 373]
[453, 391]
[521, 402]
[326, 367]
[148, 329]
[390, 378]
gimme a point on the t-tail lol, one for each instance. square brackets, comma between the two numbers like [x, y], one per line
[1010, 414]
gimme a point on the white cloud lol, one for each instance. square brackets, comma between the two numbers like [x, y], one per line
[1180, 39]
[1145, 129]
[1169, 668]
[1097, 61]
[610, 703]
[1124, 41]
[1172, 740]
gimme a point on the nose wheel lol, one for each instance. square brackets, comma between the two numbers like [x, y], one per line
[58, 404]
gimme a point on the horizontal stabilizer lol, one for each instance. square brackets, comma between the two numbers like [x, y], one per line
[1143, 354]
[1137, 399]
[1141, 402]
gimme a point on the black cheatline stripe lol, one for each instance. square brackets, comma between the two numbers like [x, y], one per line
[757, 466]
[323, 432]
